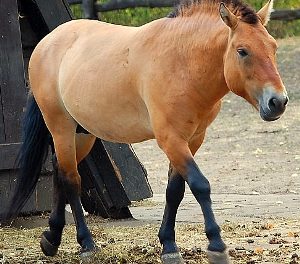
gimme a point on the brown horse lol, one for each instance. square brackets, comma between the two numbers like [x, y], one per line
[164, 80]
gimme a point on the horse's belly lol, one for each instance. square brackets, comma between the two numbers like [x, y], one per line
[125, 134]
[124, 123]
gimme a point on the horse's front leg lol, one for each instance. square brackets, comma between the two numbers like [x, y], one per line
[181, 156]
[174, 195]
[200, 188]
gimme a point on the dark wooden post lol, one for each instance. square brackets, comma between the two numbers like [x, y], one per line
[12, 92]
[13, 99]
[89, 11]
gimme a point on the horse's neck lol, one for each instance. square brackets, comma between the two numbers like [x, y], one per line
[202, 43]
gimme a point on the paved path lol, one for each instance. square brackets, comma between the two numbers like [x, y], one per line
[232, 207]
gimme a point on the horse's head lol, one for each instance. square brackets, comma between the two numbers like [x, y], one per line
[250, 63]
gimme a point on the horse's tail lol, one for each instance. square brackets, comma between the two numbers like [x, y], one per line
[30, 159]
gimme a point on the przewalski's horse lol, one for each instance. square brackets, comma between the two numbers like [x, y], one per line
[164, 80]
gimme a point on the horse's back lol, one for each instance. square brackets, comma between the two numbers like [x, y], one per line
[54, 46]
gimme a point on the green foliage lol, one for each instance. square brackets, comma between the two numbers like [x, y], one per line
[134, 17]
[77, 11]
[140, 16]
[280, 29]
[283, 4]
[283, 29]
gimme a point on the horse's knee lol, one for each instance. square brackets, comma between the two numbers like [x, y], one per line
[198, 184]
[71, 181]
[200, 187]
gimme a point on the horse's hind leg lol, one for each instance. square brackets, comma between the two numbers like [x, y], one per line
[84, 144]
[174, 195]
[51, 238]
[63, 131]
[66, 155]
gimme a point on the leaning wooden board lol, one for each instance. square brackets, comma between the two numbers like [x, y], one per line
[103, 192]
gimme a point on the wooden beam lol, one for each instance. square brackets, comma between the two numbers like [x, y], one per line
[102, 192]
[286, 14]
[133, 174]
[8, 154]
[88, 9]
[74, 2]
[12, 83]
[54, 12]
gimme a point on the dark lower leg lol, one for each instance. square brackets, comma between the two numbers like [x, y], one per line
[174, 195]
[57, 217]
[200, 188]
[84, 236]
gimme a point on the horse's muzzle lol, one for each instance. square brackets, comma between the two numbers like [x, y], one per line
[272, 104]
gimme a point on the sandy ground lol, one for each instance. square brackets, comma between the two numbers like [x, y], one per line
[254, 170]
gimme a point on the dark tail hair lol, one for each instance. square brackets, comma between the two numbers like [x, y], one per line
[30, 159]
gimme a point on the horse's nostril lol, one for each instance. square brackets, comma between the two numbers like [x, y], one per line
[277, 104]
[273, 103]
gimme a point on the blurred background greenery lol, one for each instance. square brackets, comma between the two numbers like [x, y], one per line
[140, 16]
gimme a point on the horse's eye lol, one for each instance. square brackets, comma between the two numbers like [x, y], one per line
[242, 52]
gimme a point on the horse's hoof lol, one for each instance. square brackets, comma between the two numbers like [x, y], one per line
[48, 248]
[89, 256]
[172, 258]
[215, 257]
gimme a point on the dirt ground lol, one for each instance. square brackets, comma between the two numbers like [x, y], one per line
[254, 170]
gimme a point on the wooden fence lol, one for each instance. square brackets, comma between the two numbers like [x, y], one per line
[91, 7]
[112, 175]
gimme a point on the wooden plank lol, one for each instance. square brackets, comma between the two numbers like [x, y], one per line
[39, 201]
[30, 13]
[102, 193]
[29, 40]
[43, 193]
[8, 154]
[104, 171]
[90, 178]
[92, 203]
[133, 174]
[8, 182]
[12, 82]
[2, 127]
[286, 14]
[89, 11]
[54, 12]
[74, 2]
[5, 190]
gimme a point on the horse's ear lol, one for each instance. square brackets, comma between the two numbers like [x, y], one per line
[228, 17]
[265, 12]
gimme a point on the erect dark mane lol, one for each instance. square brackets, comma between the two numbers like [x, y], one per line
[242, 10]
